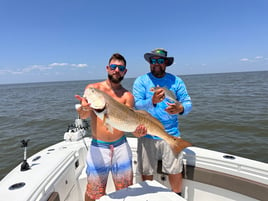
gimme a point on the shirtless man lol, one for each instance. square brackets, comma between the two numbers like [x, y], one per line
[108, 151]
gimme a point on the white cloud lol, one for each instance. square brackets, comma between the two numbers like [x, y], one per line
[244, 59]
[35, 67]
[79, 65]
[259, 57]
[58, 64]
[3, 72]
[67, 64]
[254, 60]
[42, 68]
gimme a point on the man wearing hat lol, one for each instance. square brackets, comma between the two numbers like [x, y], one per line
[151, 148]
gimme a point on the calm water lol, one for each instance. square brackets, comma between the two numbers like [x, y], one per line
[230, 114]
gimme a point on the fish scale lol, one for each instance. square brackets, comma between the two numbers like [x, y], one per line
[117, 115]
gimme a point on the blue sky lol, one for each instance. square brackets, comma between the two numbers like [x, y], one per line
[58, 40]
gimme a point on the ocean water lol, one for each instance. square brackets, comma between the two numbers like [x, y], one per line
[230, 114]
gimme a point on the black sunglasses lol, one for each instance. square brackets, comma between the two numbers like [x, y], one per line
[114, 66]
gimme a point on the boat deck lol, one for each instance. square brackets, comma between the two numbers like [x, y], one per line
[146, 190]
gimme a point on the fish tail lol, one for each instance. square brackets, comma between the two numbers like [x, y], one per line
[178, 144]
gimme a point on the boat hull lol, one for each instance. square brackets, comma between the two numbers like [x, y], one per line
[58, 173]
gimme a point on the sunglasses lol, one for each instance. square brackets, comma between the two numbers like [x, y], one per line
[159, 61]
[114, 66]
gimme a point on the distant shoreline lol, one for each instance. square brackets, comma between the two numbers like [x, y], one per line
[184, 75]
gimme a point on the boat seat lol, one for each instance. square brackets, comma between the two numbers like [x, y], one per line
[54, 197]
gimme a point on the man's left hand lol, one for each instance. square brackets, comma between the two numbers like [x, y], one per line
[140, 131]
[174, 108]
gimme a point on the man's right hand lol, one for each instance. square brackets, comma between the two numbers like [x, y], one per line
[159, 95]
[85, 106]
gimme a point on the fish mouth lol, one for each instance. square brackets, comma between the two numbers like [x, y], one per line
[100, 110]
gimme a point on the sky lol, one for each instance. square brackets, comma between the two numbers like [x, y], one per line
[65, 40]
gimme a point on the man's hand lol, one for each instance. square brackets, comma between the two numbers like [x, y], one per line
[174, 108]
[85, 106]
[159, 95]
[140, 131]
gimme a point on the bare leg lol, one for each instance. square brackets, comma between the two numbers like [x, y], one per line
[175, 181]
[99, 191]
[87, 198]
[147, 177]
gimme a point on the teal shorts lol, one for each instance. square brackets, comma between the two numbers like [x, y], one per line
[102, 158]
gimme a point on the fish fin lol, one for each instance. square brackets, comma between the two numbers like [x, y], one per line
[108, 126]
[178, 144]
[147, 115]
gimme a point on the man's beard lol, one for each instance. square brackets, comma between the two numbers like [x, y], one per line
[115, 80]
[158, 73]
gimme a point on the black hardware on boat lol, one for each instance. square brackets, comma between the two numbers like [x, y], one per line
[16, 186]
[24, 166]
[79, 124]
[228, 157]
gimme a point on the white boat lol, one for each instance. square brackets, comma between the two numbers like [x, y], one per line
[57, 173]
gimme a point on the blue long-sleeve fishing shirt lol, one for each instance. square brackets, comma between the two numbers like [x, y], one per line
[143, 100]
